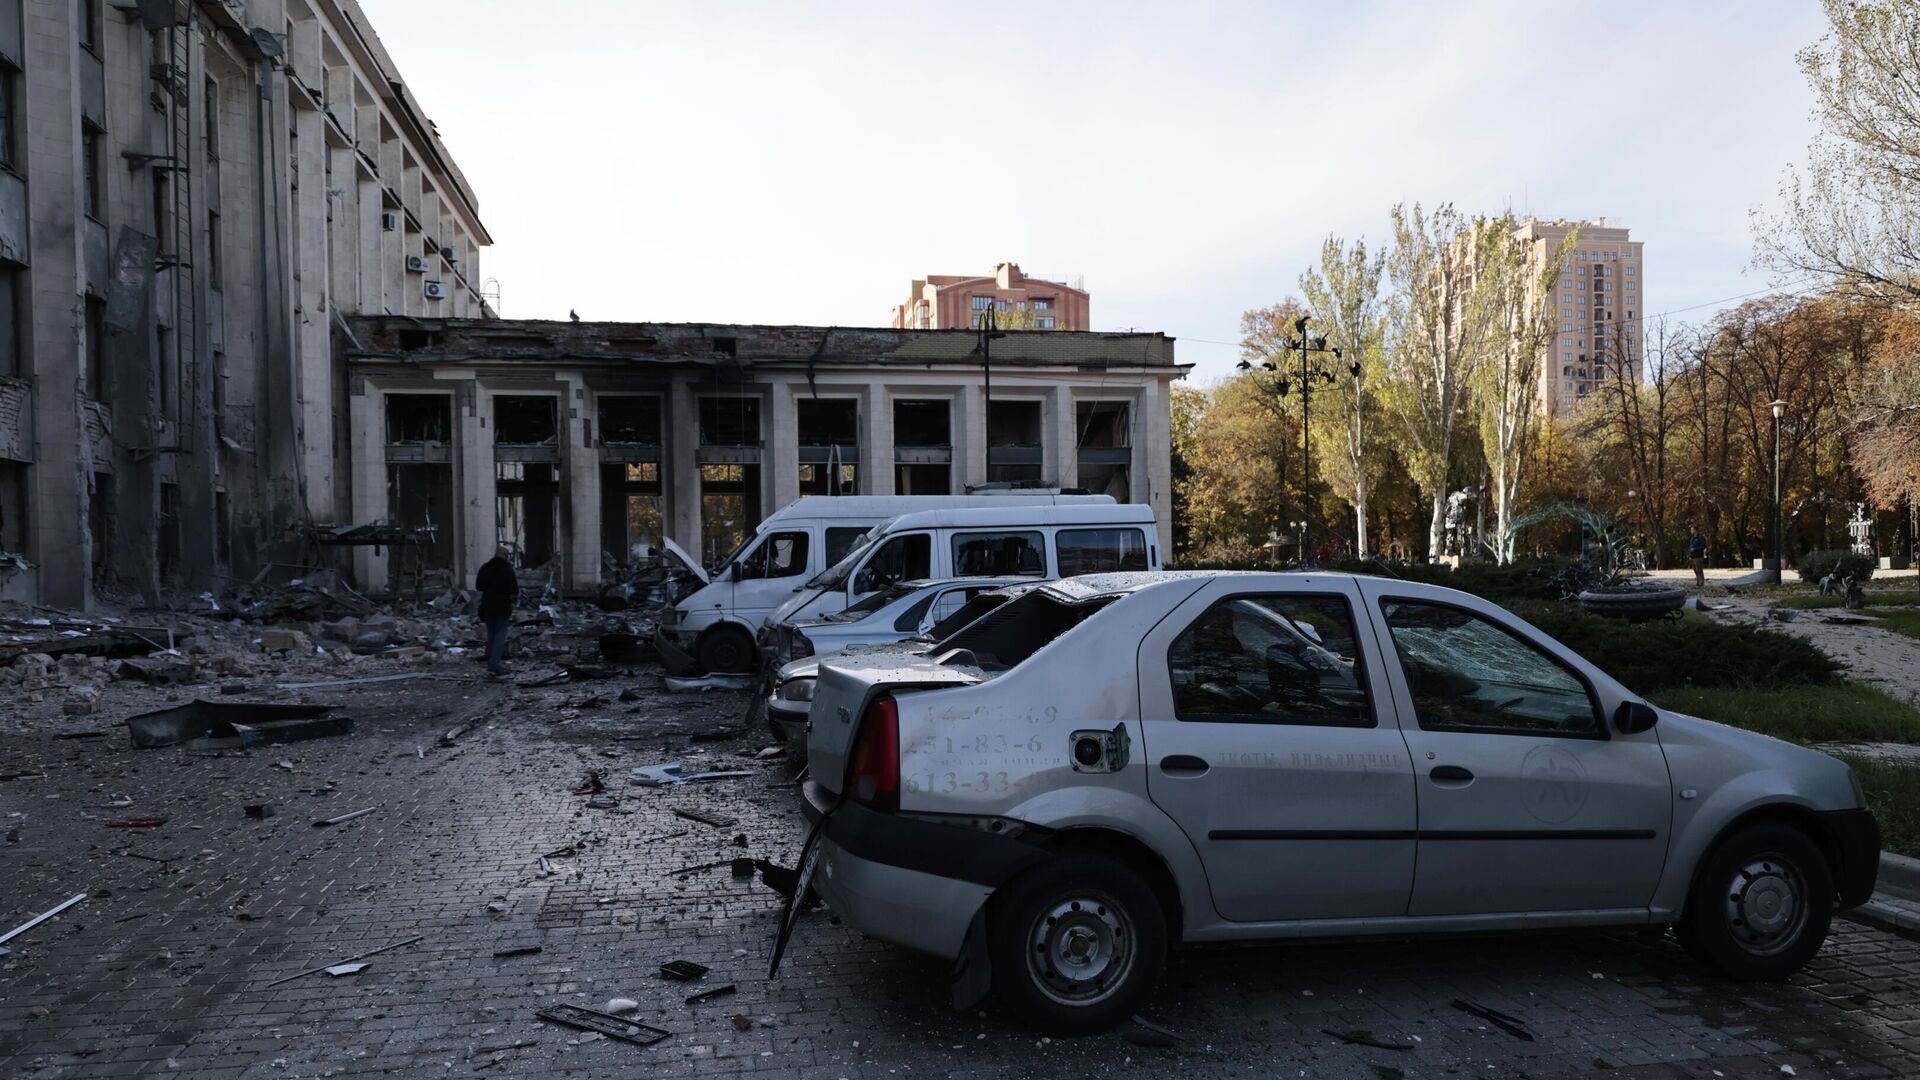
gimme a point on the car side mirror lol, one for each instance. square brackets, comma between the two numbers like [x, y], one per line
[1634, 717]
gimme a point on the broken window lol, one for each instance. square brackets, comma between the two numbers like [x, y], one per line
[419, 418]
[730, 421]
[1100, 551]
[526, 421]
[526, 494]
[13, 506]
[1104, 437]
[975, 554]
[819, 479]
[96, 344]
[903, 558]
[630, 420]
[631, 509]
[923, 446]
[1013, 442]
[780, 555]
[729, 509]
[420, 496]
[829, 435]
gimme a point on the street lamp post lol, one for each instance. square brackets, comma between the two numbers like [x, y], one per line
[1283, 385]
[1779, 406]
[989, 331]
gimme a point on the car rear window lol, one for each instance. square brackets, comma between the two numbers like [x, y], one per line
[1021, 628]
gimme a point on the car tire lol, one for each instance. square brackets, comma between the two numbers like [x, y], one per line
[1761, 906]
[1091, 911]
[726, 649]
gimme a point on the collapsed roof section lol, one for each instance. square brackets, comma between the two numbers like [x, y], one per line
[740, 347]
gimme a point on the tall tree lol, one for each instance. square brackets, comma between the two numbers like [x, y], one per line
[1437, 318]
[1520, 280]
[1634, 416]
[1884, 416]
[1344, 294]
[1852, 216]
[1237, 453]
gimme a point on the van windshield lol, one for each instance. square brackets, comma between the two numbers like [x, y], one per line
[836, 575]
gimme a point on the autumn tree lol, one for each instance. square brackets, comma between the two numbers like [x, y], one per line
[1634, 414]
[1519, 284]
[1852, 215]
[1437, 317]
[1237, 450]
[1344, 293]
[1883, 422]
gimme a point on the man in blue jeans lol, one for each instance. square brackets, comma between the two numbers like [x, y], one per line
[498, 585]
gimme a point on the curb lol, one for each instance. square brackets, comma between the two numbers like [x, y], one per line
[1899, 875]
[1895, 906]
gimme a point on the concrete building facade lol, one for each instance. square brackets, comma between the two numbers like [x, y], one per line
[1601, 301]
[947, 301]
[193, 194]
[573, 441]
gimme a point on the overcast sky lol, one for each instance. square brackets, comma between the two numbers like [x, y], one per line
[802, 162]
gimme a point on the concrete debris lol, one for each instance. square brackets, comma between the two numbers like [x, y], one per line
[703, 683]
[621, 1005]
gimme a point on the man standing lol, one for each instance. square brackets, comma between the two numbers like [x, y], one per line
[1697, 555]
[498, 586]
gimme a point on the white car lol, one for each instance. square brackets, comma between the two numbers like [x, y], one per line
[1111, 765]
[911, 616]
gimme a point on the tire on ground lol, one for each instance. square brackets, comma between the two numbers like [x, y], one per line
[1117, 895]
[1712, 928]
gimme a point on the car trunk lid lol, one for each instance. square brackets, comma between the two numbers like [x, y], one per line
[847, 683]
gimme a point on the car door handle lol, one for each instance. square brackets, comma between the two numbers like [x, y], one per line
[1182, 765]
[1451, 776]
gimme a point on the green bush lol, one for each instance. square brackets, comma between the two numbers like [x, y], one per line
[1818, 564]
[1661, 654]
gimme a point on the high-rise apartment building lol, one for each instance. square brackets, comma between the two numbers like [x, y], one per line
[1600, 299]
[193, 195]
[948, 301]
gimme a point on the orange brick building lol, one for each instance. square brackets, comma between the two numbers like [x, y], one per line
[949, 301]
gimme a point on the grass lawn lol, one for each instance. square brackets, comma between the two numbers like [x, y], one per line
[1893, 793]
[1840, 712]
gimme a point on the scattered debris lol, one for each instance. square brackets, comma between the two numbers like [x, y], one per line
[1363, 1037]
[675, 773]
[348, 960]
[742, 868]
[259, 810]
[709, 995]
[741, 1021]
[703, 683]
[143, 821]
[222, 725]
[338, 970]
[613, 1027]
[592, 785]
[617, 1006]
[344, 817]
[81, 735]
[683, 970]
[704, 818]
[1144, 1032]
[523, 950]
[685, 870]
[355, 682]
[545, 680]
[42, 917]
[1508, 1024]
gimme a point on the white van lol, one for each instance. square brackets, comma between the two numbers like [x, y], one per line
[1040, 542]
[716, 624]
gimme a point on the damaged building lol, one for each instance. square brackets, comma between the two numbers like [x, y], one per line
[193, 194]
[574, 442]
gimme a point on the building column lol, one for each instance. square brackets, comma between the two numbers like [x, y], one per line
[680, 471]
[1152, 461]
[367, 450]
[479, 527]
[580, 467]
[1061, 438]
[876, 440]
[969, 437]
[780, 449]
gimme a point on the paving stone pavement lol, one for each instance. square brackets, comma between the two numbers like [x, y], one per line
[169, 967]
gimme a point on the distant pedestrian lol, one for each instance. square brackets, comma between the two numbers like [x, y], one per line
[498, 586]
[1697, 555]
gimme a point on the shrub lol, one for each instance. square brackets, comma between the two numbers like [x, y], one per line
[1818, 564]
[1694, 650]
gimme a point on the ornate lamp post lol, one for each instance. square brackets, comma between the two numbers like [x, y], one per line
[1304, 380]
[1779, 407]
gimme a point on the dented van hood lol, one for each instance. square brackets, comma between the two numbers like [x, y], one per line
[679, 557]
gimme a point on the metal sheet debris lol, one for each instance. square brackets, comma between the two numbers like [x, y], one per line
[348, 960]
[344, 817]
[675, 772]
[338, 970]
[705, 818]
[709, 995]
[613, 1027]
[42, 917]
[224, 725]
[683, 970]
[677, 685]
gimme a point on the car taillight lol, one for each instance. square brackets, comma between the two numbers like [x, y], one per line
[875, 772]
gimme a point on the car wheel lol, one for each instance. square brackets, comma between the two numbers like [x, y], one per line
[1076, 944]
[1761, 906]
[726, 649]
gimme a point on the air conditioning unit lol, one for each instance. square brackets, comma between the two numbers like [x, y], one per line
[449, 254]
[389, 222]
[416, 264]
[436, 290]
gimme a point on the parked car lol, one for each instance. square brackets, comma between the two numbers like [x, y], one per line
[1111, 765]
[911, 616]
[714, 626]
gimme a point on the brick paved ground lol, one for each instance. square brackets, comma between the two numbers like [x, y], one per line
[166, 969]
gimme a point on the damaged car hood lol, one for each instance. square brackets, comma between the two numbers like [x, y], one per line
[678, 556]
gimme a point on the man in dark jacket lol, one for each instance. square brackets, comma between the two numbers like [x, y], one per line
[498, 586]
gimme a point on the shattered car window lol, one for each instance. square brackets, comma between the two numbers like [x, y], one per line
[1021, 628]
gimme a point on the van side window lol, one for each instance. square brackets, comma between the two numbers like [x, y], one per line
[903, 558]
[1100, 551]
[1275, 659]
[779, 555]
[999, 553]
[840, 540]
